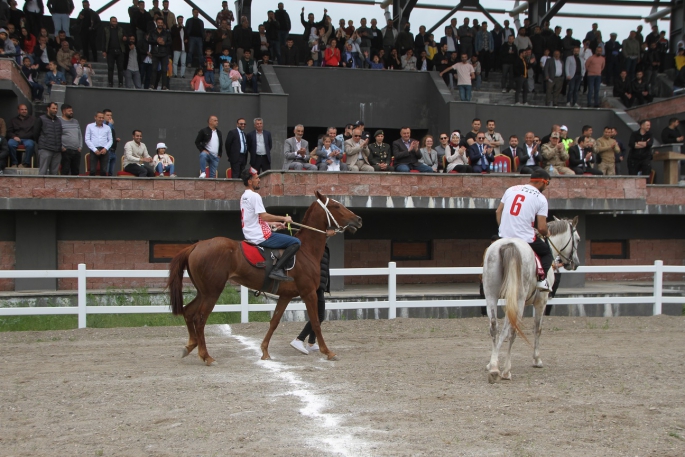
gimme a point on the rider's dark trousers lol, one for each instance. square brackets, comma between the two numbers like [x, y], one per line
[544, 252]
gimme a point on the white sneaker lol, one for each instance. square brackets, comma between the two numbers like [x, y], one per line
[568, 104]
[202, 175]
[542, 285]
[161, 175]
[314, 347]
[299, 345]
[504, 91]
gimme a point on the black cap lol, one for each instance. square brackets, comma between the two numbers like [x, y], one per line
[540, 174]
[358, 123]
[378, 132]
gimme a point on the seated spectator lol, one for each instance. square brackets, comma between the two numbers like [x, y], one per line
[99, 140]
[43, 54]
[31, 74]
[680, 59]
[198, 83]
[481, 155]
[423, 63]
[331, 56]
[20, 132]
[443, 142]
[296, 155]
[679, 81]
[512, 151]
[84, 73]
[329, 156]
[671, 134]
[4, 153]
[379, 153]
[136, 158]
[393, 61]
[336, 140]
[28, 41]
[530, 158]
[406, 153]
[554, 155]
[54, 77]
[429, 156]
[640, 89]
[162, 162]
[248, 70]
[582, 160]
[357, 151]
[455, 155]
[61, 37]
[225, 78]
[623, 89]
[408, 60]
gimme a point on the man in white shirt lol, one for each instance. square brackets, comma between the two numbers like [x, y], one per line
[256, 229]
[465, 73]
[99, 140]
[136, 158]
[522, 208]
[529, 155]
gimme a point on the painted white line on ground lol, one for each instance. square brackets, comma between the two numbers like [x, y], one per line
[339, 443]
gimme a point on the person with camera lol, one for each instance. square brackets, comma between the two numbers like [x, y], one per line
[114, 48]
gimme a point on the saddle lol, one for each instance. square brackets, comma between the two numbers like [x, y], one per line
[265, 258]
[542, 274]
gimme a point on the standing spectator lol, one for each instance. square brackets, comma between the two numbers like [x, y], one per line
[284, 26]
[160, 47]
[179, 44]
[607, 149]
[365, 34]
[485, 45]
[465, 34]
[465, 73]
[477, 71]
[31, 73]
[575, 69]
[112, 151]
[72, 142]
[522, 41]
[640, 153]
[492, 138]
[420, 40]
[520, 72]
[114, 47]
[554, 155]
[53, 77]
[508, 31]
[259, 144]
[223, 38]
[554, 78]
[270, 30]
[195, 27]
[49, 132]
[98, 139]
[242, 38]
[620, 157]
[33, 11]
[405, 39]
[136, 158]
[389, 33]
[380, 155]
[295, 152]
[237, 148]
[248, 70]
[162, 162]
[480, 155]
[133, 15]
[198, 83]
[168, 16]
[61, 10]
[132, 64]
[225, 14]
[21, 132]
[406, 153]
[90, 23]
[289, 54]
[640, 89]
[631, 53]
[210, 144]
[508, 56]
[208, 68]
[144, 23]
[594, 66]
[568, 43]
[155, 11]
[538, 42]
[612, 49]
[357, 151]
[671, 134]
[651, 61]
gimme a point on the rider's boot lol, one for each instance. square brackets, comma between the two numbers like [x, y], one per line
[278, 273]
[543, 285]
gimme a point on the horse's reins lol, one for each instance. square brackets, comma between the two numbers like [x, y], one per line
[329, 217]
[573, 246]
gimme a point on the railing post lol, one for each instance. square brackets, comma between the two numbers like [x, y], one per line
[81, 295]
[392, 290]
[244, 303]
[658, 286]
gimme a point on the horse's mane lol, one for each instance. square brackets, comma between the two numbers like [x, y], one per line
[557, 227]
[306, 217]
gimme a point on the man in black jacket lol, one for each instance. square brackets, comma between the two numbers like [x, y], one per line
[406, 153]
[508, 54]
[160, 41]
[236, 148]
[113, 47]
[242, 38]
[581, 159]
[289, 54]
[43, 54]
[210, 145]
[640, 153]
[671, 134]
[530, 158]
[49, 130]
[195, 28]
[90, 23]
[520, 70]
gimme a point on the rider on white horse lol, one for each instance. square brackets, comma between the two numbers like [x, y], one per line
[256, 229]
[522, 208]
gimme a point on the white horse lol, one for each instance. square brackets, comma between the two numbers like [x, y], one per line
[509, 272]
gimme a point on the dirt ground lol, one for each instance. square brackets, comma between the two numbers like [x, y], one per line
[408, 387]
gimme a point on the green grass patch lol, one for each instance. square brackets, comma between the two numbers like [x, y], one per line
[138, 298]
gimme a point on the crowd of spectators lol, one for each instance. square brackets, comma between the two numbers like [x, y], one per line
[158, 44]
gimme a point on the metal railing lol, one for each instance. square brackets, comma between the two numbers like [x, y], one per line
[391, 271]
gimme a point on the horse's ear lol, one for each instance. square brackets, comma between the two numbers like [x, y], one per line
[319, 196]
[555, 218]
[575, 221]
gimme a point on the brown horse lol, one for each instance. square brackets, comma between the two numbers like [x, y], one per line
[211, 263]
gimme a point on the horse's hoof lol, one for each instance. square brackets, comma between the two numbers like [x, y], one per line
[185, 353]
[210, 361]
[487, 367]
[537, 363]
[332, 356]
[506, 377]
[493, 377]
[266, 357]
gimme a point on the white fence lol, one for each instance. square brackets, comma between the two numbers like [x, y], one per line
[392, 272]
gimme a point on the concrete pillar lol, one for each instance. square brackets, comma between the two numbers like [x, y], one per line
[336, 245]
[36, 248]
[273, 109]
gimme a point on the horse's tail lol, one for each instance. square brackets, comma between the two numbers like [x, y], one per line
[175, 282]
[511, 266]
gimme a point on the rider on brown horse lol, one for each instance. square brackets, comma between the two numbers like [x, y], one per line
[257, 230]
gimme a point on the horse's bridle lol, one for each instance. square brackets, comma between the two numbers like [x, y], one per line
[329, 218]
[572, 241]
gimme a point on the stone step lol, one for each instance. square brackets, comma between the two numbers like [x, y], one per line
[21, 171]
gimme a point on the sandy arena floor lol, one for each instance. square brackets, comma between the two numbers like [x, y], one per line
[409, 387]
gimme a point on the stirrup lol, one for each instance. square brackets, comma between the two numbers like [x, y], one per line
[280, 275]
[543, 285]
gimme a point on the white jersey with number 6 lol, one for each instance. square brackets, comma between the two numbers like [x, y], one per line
[522, 205]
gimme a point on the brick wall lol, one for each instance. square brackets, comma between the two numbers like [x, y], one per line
[108, 255]
[668, 107]
[665, 195]
[446, 253]
[641, 252]
[10, 71]
[7, 262]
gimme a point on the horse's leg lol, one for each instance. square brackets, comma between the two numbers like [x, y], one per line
[506, 370]
[200, 319]
[281, 304]
[188, 315]
[540, 304]
[311, 300]
[492, 367]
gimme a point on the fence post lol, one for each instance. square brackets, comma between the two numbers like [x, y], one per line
[81, 295]
[244, 303]
[658, 286]
[392, 290]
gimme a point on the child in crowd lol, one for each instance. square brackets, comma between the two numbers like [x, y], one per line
[235, 79]
[208, 67]
[310, 62]
[225, 57]
[84, 73]
[375, 64]
[330, 154]
[198, 82]
[162, 162]
[31, 73]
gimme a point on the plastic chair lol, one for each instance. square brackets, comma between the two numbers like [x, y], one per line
[122, 172]
[504, 160]
[229, 173]
[86, 159]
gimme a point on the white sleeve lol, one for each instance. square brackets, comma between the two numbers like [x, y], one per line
[258, 205]
[543, 211]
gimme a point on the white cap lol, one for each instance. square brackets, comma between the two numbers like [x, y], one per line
[161, 146]
[563, 127]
